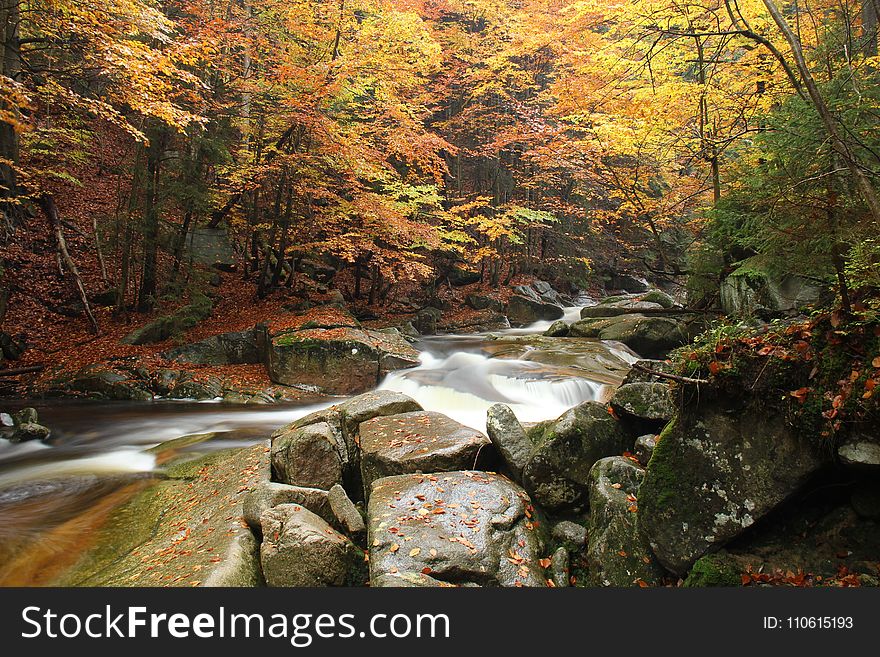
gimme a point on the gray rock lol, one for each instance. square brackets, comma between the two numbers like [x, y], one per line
[718, 468]
[570, 533]
[370, 405]
[644, 401]
[209, 389]
[558, 329]
[560, 568]
[523, 310]
[416, 442]
[240, 567]
[481, 302]
[310, 456]
[242, 347]
[509, 438]
[348, 518]
[644, 447]
[557, 474]
[860, 451]
[462, 528]
[299, 550]
[6, 420]
[269, 494]
[427, 319]
[618, 554]
[527, 291]
[627, 283]
[659, 297]
[651, 337]
[618, 308]
[27, 416]
[29, 431]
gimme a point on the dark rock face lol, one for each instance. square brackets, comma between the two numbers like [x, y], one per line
[177, 322]
[522, 310]
[480, 302]
[557, 473]
[509, 438]
[627, 283]
[644, 448]
[558, 329]
[427, 319]
[459, 276]
[243, 347]
[300, 549]
[618, 554]
[716, 470]
[462, 528]
[416, 442]
[311, 457]
[340, 361]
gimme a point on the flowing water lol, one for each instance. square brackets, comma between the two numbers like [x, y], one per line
[98, 448]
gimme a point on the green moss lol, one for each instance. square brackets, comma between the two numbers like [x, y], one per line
[661, 486]
[713, 570]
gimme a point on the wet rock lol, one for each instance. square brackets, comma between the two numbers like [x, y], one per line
[269, 494]
[310, 456]
[416, 442]
[211, 388]
[464, 528]
[101, 382]
[348, 518]
[644, 447]
[718, 468]
[649, 336]
[558, 329]
[299, 550]
[242, 347]
[560, 568]
[571, 534]
[617, 552]
[644, 406]
[509, 438]
[522, 310]
[557, 474]
[28, 431]
[860, 451]
[627, 283]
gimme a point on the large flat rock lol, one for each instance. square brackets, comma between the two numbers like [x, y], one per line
[461, 528]
[421, 441]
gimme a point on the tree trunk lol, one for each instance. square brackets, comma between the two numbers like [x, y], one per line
[149, 276]
[840, 146]
[47, 205]
[10, 66]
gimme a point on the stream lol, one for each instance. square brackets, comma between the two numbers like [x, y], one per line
[97, 447]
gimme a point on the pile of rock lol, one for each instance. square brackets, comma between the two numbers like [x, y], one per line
[22, 426]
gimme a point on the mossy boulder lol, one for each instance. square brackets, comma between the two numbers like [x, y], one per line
[660, 298]
[617, 308]
[176, 323]
[718, 468]
[557, 472]
[714, 570]
[651, 337]
[558, 329]
[235, 348]
[644, 406]
[618, 554]
[509, 438]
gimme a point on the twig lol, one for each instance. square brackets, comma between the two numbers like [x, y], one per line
[671, 377]
[15, 371]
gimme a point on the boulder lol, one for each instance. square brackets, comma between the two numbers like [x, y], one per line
[522, 310]
[316, 270]
[718, 468]
[340, 360]
[618, 308]
[558, 329]
[459, 276]
[311, 456]
[101, 382]
[28, 431]
[637, 375]
[560, 568]
[527, 291]
[649, 336]
[176, 323]
[658, 297]
[627, 283]
[645, 406]
[426, 320]
[557, 473]
[617, 553]
[571, 534]
[367, 406]
[347, 516]
[509, 438]
[461, 528]
[860, 451]
[752, 292]
[269, 494]
[422, 441]
[242, 347]
[644, 447]
[299, 550]
[211, 388]
[481, 302]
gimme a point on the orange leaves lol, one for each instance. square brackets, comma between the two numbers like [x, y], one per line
[800, 394]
